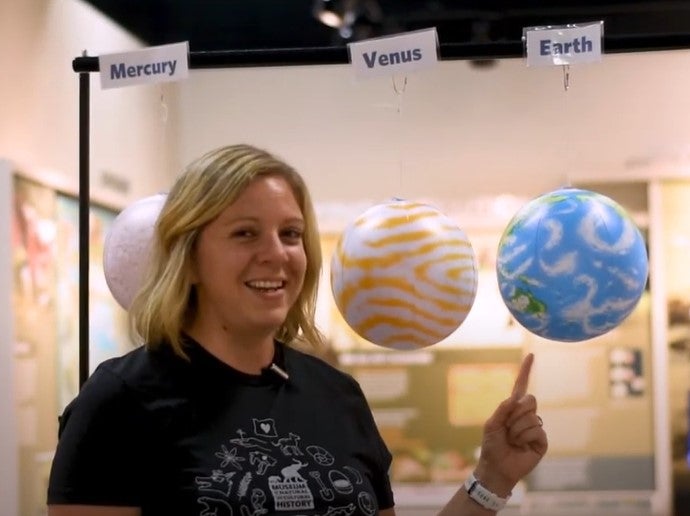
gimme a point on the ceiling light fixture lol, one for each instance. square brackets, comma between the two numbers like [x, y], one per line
[335, 13]
[348, 16]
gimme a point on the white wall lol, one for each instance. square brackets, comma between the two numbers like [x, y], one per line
[130, 133]
[462, 133]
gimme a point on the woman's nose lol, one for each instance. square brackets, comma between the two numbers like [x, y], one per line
[272, 248]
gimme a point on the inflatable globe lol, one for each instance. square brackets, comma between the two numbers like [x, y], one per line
[403, 275]
[127, 246]
[571, 265]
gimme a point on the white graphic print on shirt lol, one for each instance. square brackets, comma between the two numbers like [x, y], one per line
[260, 472]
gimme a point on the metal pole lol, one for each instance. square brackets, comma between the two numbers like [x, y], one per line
[84, 230]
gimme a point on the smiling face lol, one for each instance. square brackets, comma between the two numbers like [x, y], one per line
[250, 262]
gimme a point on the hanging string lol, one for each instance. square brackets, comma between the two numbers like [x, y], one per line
[163, 107]
[566, 77]
[163, 113]
[399, 90]
[569, 150]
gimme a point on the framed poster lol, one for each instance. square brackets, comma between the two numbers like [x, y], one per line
[45, 279]
[108, 326]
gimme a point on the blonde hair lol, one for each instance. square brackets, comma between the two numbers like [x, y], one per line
[166, 302]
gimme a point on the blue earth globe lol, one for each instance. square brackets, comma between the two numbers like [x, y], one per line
[571, 265]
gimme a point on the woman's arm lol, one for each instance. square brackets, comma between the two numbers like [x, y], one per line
[92, 510]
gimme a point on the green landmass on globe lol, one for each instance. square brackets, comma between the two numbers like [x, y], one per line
[532, 305]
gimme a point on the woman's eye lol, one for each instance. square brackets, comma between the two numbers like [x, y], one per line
[294, 234]
[243, 233]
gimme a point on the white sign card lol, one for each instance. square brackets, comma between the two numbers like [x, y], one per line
[563, 45]
[165, 63]
[402, 53]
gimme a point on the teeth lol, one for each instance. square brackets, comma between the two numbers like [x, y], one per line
[265, 284]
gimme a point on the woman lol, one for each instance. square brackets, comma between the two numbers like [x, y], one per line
[220, 412]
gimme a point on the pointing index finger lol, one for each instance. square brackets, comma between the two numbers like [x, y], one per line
[520, 387]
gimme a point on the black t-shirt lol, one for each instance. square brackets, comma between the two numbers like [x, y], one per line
[197, 437]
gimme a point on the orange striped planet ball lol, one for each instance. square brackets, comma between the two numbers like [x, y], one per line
[404, 275]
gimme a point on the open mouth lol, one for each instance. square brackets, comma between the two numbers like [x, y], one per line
[266, 285]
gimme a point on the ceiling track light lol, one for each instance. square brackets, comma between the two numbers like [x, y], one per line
[335, 13]
[344, 14]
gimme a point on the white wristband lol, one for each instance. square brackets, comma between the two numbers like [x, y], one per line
[483, 496]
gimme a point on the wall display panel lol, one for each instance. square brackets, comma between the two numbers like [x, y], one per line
[108, 326]
[44, 296]
[35, 325]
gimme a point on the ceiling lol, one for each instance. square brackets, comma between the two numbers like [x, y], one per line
[482, 28]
